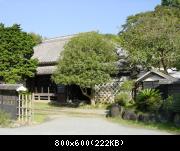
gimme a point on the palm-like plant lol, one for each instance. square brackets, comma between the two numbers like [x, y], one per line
[148, 100]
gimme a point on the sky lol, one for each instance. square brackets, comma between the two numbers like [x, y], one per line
[54, 18]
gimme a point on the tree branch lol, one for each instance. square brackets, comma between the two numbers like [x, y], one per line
[84, 92]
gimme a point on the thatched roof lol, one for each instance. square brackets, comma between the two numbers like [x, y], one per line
[48, 53]
[44, 70]
[49, 50]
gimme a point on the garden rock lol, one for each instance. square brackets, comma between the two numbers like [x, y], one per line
[144, 118]
[177, 120]
[129, 115]
[152, 118]
[115, 110]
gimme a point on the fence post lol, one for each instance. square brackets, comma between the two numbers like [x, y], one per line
[32, 107]
[26, 107]
[19, 109]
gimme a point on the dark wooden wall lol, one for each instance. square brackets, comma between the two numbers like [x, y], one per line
[40, 83]
[8, 102]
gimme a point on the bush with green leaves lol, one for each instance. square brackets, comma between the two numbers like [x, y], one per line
[148, 100]
[122, 98]
[127, 85]
[88, 59]
[176, 103]
[168, 104]
[4, 119]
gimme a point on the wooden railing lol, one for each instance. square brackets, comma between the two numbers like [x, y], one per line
[49, 95]
[44, 96]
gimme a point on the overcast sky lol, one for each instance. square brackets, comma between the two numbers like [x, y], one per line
[53, 18]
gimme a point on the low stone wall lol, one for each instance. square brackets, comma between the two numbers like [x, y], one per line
[127, 114]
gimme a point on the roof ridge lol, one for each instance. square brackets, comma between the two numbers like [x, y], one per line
[160, 73]
[58, 38]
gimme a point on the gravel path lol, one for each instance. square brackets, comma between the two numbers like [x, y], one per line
[79, 125]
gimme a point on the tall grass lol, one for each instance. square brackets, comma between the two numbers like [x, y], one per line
[4, 119]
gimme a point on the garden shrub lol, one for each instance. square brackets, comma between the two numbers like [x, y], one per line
[176, 103]
[148, 100]
[167, 104]
[4, 119]
[122, 98]
[127, 85]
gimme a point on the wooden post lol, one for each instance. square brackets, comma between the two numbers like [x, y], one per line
[41, 89]
[22, 108]
[19, 108]
[29, 107]
[48, 90]
[32, 107]
[48, 95]
[36, 90]
[26, 107]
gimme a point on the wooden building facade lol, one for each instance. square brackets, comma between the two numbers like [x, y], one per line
[48, 54]
[166, 84]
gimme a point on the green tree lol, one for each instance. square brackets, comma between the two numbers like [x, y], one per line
[88, 59]
[36, 37]
[153, 38]
[171, 3]
[16, 49]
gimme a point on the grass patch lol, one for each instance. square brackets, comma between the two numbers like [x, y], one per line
[168, 127]
[39, 115]
[97, 106]
[5, 120]
[55, 105]
[40, 118]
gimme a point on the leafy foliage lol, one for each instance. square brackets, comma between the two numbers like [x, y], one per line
[127, 85]
[122, 98]
[16, 49]
[4, 119]
[36, 37]
[148, 100]
[176, 103]
[168, 104]
[153, 38]
[88, 59]
[172, 3]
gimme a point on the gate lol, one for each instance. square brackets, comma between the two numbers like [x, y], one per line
[25, 108]
[17, 104]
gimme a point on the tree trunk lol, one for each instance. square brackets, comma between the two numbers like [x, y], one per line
[164, 66]
[163, 62]
[91, 96]
[93, 102]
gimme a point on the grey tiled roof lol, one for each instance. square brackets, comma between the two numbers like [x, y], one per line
[49, 50]
[165, 78]
[10, 86]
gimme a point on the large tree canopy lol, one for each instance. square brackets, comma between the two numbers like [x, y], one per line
[171, 3]
[153, 38]
[88, 59]
[16, 49]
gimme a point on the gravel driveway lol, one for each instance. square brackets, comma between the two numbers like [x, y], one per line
[79, 125]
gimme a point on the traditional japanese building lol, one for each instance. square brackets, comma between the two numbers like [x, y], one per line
[48, 53]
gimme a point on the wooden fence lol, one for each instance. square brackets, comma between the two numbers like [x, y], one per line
[105, 93]
[25, 108]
